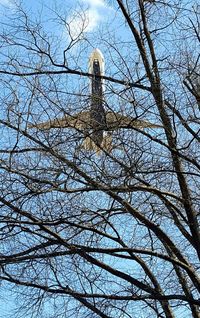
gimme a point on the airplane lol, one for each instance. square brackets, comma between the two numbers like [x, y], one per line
[97, 124]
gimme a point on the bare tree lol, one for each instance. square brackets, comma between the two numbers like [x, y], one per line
[113, 234]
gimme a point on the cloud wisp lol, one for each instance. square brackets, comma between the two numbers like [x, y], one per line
[88, 18]
[6, 3]
[95, 3]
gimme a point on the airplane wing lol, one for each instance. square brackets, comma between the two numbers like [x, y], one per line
[82, 121]
[116, 121]
[79, 121]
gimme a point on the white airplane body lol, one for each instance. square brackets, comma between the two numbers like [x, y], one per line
[96, 121]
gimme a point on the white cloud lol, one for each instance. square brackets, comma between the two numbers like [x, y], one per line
[95, 3]
[93, 19]
[83, 22]
[89, 19]
[5, 2]
[8, 4]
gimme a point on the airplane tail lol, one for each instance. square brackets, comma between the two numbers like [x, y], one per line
[106, 144]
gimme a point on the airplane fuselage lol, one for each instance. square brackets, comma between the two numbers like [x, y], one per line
[97, 112]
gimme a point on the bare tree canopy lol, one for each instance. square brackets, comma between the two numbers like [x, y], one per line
[112, 233]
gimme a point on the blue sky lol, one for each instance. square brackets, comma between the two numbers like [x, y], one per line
[96, 11]
[96, 14]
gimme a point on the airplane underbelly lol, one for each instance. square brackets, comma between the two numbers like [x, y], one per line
[97, 112]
